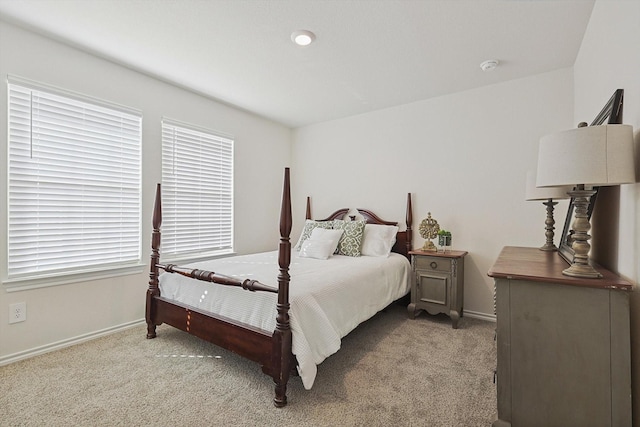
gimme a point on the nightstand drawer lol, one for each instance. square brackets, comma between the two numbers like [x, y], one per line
[432, 263]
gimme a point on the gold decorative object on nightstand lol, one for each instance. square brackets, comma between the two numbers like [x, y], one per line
[429, 230]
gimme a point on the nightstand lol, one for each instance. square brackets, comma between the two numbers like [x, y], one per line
[439, 283]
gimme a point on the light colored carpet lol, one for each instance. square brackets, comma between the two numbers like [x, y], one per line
[389, 371]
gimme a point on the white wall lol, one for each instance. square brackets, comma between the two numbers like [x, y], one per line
[262, 150]
[609, 60]
[464, 158]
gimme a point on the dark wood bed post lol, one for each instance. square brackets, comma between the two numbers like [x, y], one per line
[409, 222]
[308, 215]
[153, 290]
[282, 335]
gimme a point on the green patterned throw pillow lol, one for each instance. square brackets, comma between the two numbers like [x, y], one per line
[309, 225]
[350, 243]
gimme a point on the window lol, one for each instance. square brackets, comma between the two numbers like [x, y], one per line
[197, 192]
[74, 183]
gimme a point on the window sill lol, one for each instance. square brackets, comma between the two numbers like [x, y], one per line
[35, 282]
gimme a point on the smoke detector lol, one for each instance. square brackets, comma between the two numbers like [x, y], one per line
[489, 65]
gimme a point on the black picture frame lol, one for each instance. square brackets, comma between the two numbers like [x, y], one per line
[612, 114]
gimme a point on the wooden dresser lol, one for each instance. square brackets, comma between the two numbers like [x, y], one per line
[563, 344]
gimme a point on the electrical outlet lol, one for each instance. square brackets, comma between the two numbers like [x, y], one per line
[17, 312]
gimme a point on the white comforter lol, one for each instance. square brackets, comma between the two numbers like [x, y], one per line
[328, 298]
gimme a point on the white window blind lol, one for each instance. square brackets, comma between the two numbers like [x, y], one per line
[74, 183]
[197, 191]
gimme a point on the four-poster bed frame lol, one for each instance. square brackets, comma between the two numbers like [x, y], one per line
[272, 350]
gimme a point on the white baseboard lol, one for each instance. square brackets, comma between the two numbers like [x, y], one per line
[478, 315]
[15, 357]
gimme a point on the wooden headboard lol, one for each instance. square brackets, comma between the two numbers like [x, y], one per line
[403, 238]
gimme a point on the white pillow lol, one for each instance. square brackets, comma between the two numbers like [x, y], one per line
[309, 226]
[318, 249]
[378, 239]
[321, 244]
[327, 234]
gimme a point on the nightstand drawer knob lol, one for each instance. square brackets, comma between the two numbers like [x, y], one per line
[434, 265]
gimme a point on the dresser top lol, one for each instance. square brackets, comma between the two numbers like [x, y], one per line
[546, 266]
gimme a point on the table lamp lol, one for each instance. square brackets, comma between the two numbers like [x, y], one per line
[548, 195]
[586, 157]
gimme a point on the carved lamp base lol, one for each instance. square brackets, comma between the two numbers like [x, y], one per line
[580, 266]
[549, 227]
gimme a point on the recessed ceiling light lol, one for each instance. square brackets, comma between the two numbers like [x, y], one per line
[303, 37]
[489, 65]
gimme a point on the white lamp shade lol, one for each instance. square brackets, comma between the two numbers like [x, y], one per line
[591, 155]
[544, 193]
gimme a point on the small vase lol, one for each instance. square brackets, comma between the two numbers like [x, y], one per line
[444, 241]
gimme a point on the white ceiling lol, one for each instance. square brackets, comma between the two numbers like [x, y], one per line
[368, 54]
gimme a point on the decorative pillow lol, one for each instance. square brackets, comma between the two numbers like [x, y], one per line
[309, 225]
[321, 244]
[350, 243]
[378, 239]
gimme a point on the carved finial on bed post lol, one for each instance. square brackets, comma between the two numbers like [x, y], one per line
[155, 259]
[282, 334]
[409, 222]
[308, 215]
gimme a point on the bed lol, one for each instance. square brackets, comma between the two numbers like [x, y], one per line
[289, 328]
